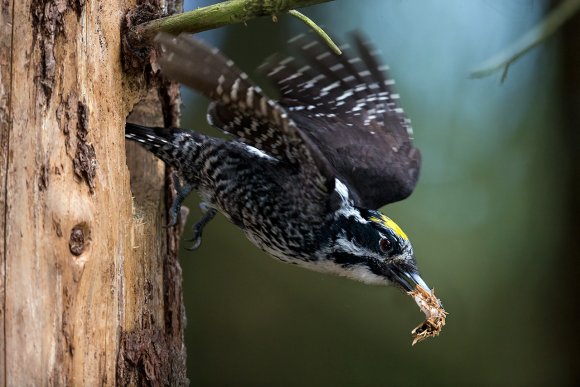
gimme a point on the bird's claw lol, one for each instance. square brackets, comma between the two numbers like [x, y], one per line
[198, 227]
[195, 245]
[181, 190]
[173, 214]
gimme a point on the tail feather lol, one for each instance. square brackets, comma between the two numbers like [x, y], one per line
[152, 138]
[172, 145]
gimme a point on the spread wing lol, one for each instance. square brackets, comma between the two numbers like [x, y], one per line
[346, 105]
[241, 108]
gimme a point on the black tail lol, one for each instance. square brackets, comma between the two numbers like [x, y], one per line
[150, 137]
[172, 145]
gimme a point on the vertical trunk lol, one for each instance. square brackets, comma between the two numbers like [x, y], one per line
[89, 282]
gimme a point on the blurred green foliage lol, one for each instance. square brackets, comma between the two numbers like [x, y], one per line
[486, 221]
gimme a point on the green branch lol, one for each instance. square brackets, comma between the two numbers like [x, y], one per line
[531, 39]
[218, 15]
[316, 29]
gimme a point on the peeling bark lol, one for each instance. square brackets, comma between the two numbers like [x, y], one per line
[90, 286]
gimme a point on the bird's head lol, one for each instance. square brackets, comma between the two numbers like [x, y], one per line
[368, 246]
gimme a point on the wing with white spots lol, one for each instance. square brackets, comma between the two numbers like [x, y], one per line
[241, 108]
[347, 106]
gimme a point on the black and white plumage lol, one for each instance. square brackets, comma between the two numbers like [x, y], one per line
[303, 176]
[347, 106]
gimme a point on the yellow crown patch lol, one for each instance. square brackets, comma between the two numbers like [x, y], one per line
[388, 223]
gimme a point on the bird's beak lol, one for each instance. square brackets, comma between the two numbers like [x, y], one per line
[408, 279]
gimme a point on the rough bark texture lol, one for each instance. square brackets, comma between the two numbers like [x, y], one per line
[90, 289]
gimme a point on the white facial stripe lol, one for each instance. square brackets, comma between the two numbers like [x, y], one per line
[357, 272]
[344, 245]
[347, 210]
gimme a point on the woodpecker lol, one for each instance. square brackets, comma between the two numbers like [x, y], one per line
[304, 175]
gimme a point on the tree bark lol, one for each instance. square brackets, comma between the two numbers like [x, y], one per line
[90, 288]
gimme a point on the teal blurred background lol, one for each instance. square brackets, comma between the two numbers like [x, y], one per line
[493, 219]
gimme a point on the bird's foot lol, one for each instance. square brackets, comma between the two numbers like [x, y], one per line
[209, 214]
[182, 190]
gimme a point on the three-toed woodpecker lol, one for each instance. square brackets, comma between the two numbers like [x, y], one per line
[304, 175]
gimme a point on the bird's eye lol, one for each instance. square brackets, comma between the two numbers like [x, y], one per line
[385, 245]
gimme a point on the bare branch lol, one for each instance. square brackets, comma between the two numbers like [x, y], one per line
[535, 36]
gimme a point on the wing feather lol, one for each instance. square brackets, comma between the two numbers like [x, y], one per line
[241, 108]
[346, 104]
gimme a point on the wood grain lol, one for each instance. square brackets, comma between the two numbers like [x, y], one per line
[81, 262]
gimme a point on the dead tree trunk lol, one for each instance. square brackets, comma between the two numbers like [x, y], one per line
[90, 289]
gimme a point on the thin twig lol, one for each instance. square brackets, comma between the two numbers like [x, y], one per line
[531, 39]
[218, 15]
[316, 29]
